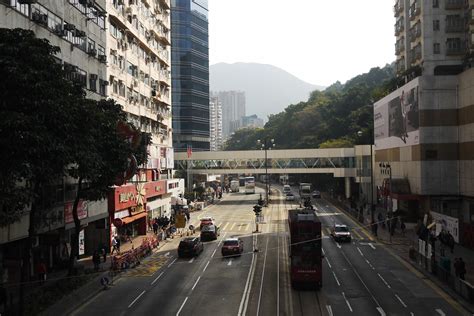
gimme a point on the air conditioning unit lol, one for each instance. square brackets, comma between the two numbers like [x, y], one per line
[69, 27]
[102, 58]
[135, 83]
[92, 52]
[58, 30]
[153, 93]
[79, 33]
[40, 18]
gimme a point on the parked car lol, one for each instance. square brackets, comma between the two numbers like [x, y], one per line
[206, 221]
[290, 197]
[316, 194]
[209, 232]
[341, 233]
[232, 247]
[286, 188]
[190, 247]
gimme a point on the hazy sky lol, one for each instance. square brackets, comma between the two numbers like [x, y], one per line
[318, 41]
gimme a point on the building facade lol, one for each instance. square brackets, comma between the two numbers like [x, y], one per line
[233, 109]
[215, 114]
[190, 75]
[423, 130]
[139, 73]
[252, 121]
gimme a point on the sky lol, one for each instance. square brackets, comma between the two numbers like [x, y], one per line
[318, 41]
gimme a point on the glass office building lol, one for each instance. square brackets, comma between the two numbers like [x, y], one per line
[190, 74]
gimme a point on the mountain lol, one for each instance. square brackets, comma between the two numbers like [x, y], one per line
[268, 89]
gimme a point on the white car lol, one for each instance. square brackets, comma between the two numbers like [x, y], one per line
[290, 197]
[341, 233]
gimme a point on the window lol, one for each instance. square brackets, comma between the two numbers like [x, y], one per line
[93, 82]
[115, 87]
[22, 8]
[435, 3]
[90, 46]
[436, 48]
[102, 87]
[100, 50]
[121, 89]
[435, 25]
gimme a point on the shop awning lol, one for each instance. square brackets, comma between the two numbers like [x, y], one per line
[129, 219]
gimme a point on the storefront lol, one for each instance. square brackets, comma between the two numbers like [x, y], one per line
[129, 207]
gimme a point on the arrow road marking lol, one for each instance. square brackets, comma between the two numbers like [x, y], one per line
[372, 245]
[191, 261]
[338, 245]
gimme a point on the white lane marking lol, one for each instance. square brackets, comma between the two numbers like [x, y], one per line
[172, 262]
[329, 309]
[347, 302]
[154, 281]
[335, 277]
[381, 311]
[383, 280]
[372, 245]
[232, 227]
[338, 245]
[225, 226]
[196, 283]
[324, 252]
[213, 253]
[206, 266]
[360, 251]
[167, 254]
[440, 311]
[369, 264]
[136, 299]
[229, 263]
[412, 314]
[191, 261]
[402, 302]
[263, 276]
[182, 305]
[243, 301]
[240, 227]
[329, 264]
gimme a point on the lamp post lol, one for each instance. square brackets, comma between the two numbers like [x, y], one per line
[372, 204]
[266, 144]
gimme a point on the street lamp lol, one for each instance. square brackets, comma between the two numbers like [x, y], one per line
[267, 144]
[372, 204]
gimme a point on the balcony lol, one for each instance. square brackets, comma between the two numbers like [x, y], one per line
[455, 4]
[398, 8]
[455, 26]
[414, 11]
[398, 29]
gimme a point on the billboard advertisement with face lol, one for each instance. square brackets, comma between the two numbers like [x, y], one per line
[396, 118]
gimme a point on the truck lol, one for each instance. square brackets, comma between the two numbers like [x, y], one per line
[249, 185]
[234, 185]
[305, 249]
[305, 190]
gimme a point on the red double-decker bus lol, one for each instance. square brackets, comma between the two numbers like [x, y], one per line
[305, 249]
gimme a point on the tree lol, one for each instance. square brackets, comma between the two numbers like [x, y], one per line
[101, 152]
[36, 104]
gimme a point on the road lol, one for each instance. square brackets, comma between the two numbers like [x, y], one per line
[361, 277]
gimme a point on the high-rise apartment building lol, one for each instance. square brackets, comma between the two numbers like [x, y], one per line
[215, 114]
[424, 129]
[138, 55]
[252, 121]
[233, 109]
[432, 36]
[190, 74]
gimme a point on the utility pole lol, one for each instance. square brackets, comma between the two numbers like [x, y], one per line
[265, 145]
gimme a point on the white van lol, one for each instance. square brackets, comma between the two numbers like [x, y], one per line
[286, 188]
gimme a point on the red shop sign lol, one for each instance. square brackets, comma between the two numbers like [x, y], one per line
[81, 211]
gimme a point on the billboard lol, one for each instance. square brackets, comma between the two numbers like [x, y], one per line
[396, 118]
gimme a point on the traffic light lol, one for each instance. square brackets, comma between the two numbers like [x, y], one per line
[257, 209]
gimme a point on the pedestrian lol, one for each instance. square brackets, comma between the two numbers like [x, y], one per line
[403, 227]
[457, 267]
[104, 254]
[115, 245]
[41, 270]
[450, 240]
[155, 227]
[462, 268]
[96, 260]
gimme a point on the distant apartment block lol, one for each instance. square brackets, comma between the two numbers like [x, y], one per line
[252, 121]
[215, 113]
[233, 109]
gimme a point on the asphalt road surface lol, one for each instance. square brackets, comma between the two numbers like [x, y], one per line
[360, 278]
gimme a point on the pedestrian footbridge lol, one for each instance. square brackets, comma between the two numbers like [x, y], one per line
[341, 162]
